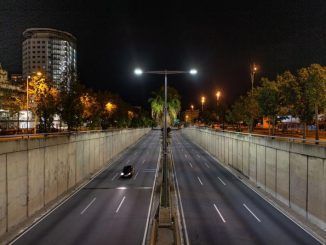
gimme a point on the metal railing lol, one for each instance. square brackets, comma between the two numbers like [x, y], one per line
[275, 137]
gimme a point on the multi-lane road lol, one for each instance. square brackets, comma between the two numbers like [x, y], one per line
[219, 209]
[215, 206]
[108, 210]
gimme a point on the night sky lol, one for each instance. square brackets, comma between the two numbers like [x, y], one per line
[220, 40]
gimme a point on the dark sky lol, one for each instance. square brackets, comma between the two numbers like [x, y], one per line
[219, 38]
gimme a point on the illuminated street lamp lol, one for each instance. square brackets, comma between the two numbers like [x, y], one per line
[218, 95]
[27, 105]
[203, 100]
[192, 107]
[253, 70]
[139, 72]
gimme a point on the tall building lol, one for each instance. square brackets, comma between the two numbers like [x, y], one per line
[50, 51]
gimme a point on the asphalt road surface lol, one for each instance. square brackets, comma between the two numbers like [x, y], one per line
[109, 210]
[219, 209]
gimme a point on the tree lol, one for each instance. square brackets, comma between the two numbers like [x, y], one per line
[70, 107]
[173, 105]
[268, 98]
[44, 97]
[312, 96]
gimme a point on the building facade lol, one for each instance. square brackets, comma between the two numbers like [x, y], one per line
[49, 51]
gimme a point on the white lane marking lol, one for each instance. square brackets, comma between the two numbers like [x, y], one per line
[136, 175]
[181, 205]
[251, 213]
[116, 175]
[134, 188]
[198, 156]
[123, 199]
[88, 205]
[149, 170]
[143, 162]
[190, 164]
[221, 181]
[185, 155]
[219, 213]
[200, 180]
[151, 201]
[206, 164]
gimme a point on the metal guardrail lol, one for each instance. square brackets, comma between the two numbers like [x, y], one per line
[281, 138]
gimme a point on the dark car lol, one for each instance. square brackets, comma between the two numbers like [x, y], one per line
[127, 171]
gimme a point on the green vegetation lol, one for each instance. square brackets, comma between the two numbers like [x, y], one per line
[173, 105]
[301, 95]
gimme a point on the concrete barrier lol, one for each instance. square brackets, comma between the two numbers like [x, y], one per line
[36, 172]
[293, 173]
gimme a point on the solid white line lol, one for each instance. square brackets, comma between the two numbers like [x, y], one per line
[151, 201]
[251, 212]
[190, 164]
[136, 175]
[206, 164]
[123, 199]
[181, 206]
[114, 176]
[219, 213]
[221, 181]
[88, 205]
[200, 180]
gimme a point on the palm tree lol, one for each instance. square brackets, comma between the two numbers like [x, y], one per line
[173, 104]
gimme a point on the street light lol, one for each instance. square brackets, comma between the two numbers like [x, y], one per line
[218, 94]
[139, 72]
[192, 107]
[253, 70]
[203, 100]
[27, 105]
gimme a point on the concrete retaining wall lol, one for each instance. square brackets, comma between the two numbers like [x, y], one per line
[35, 172]
[293, 173]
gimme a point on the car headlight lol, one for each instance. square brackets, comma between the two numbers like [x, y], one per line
[121, 174]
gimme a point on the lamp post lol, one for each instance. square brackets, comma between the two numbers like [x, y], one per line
[218, 95]
[253, 70]
[192, 107]
[203, 99]
[139, 72]
[27, 105]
